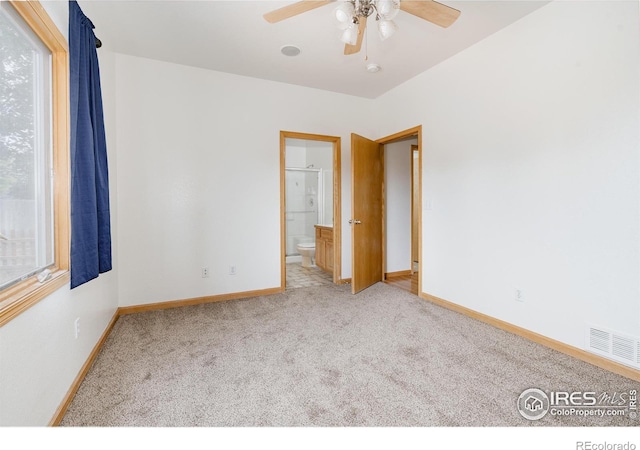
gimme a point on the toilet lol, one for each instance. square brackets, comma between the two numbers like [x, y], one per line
[308, 251]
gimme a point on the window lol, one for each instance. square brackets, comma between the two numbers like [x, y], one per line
[26, 170]
[33, 157]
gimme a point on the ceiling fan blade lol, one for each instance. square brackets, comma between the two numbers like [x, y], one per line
[294, 9]
[431, 11]
[352, 49]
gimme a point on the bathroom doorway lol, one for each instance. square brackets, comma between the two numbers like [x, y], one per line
[310, 209]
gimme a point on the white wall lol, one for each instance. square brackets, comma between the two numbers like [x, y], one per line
[531, 163]
[397, 172]
[198, 175]
[39, 356]
[295, 154]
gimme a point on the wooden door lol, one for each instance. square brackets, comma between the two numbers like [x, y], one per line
[366, 217]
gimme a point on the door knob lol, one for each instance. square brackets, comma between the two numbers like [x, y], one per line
[354, 222]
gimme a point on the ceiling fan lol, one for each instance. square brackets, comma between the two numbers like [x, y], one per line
[353, 14]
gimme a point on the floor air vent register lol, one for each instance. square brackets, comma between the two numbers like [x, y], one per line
[613, 345]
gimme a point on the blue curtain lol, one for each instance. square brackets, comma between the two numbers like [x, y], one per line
[90, 218]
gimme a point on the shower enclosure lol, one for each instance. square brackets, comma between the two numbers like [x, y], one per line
[304, 207]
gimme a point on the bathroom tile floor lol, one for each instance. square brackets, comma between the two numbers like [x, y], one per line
[298, 276]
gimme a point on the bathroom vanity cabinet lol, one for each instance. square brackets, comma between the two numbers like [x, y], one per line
[324, 248]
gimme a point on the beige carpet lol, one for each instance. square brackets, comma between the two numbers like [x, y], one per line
[320, 356]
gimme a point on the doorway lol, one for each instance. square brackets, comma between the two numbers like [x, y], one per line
[369, 209]
[310, 209]
[401, 214]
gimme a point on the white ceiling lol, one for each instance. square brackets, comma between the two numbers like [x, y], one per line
[232, 36]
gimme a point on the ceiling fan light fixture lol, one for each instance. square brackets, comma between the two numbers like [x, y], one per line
[351, 16]
[386, 28]
[344, 14]
[388, 9]
[350, 35]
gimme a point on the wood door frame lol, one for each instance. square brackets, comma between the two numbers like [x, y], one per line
[415, 206]
[337, 202]
[402, 135]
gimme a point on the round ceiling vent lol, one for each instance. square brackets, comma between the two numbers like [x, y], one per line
[290, 50]
[373, 68]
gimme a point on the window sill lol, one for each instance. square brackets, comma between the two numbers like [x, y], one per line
[24, 295]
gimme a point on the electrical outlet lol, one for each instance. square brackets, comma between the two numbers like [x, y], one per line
[519, 296]
[232, 270]
[205, 272]
[76, 327]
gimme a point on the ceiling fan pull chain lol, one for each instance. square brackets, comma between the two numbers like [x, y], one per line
[366, 44]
